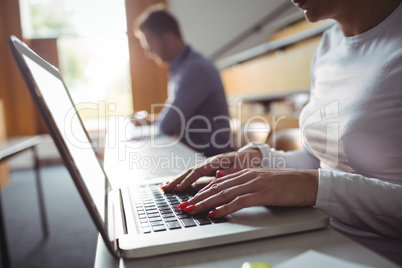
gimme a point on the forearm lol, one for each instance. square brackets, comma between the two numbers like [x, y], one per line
[301, 158]
[169, 121]
[364, 203]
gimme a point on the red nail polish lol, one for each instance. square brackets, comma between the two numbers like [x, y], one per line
[189, 208]
[164, 185]
[176, 188]
[182, 205]
[212, 213]
[220, 173]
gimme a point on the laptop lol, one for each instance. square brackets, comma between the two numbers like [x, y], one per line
[140, 220]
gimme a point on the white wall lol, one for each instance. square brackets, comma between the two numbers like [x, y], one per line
[208, 25]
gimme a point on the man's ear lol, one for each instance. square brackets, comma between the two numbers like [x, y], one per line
[168, 37]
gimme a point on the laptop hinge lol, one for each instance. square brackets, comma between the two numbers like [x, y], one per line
[116, 219]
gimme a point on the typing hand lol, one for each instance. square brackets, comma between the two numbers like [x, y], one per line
[227, 163]
[141, 118]
[255, 187]
[140, 122]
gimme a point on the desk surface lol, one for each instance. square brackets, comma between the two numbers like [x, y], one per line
[273, 250]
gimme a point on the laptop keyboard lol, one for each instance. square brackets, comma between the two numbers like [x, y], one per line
[157, 211]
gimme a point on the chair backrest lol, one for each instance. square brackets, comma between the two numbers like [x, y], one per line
[286, 139]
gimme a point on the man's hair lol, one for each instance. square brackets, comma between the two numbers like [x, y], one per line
[157, 20]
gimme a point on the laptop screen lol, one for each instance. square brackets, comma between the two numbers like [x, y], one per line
[54, 93]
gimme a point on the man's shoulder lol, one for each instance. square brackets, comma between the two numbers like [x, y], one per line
[198, 59]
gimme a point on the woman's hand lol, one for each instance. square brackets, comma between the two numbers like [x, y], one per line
[228, 163]
[255, 187]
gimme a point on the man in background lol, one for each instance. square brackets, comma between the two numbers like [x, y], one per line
[196, 110]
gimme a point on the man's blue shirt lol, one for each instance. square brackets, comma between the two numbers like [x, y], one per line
[196, 110]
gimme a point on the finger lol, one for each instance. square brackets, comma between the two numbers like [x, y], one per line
[240, 202]
[169, 186]
[225, 172]
[240, 161]
[223, 197]
[208, 168]
[218, 181]
[193, 176]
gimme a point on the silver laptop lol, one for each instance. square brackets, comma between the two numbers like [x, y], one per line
[140, 220]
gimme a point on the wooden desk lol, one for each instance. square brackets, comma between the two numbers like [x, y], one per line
[270, 250]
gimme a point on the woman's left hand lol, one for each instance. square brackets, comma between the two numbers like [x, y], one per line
[256, 187]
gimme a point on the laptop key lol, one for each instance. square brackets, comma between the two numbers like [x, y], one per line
[183, 216]
[170, 219]
[199, 216]
[183, 199]
[167, 215]
[202, 221]
[153, 215]
[173, 225]
[155, 219]
[218, 220]
[146, 230]
[188, 222]
[159, 228]
[178, 211]
[156, 223]
[166, 211]
[152, 211]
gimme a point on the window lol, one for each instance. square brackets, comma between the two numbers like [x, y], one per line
[93, 51]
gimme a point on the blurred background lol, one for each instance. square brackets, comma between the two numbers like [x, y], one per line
[262, 48]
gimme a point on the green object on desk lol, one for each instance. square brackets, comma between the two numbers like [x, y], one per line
[255, 265]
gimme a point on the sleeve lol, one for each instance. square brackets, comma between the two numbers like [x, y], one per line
[193, 91]
[291, 159]
[365, 203]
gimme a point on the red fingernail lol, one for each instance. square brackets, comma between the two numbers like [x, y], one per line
[182, 205]
[189, 208]
[220, 173]
[164, 185]
[176, 188]
[212, 213]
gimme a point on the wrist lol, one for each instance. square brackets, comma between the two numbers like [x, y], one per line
[263, 154]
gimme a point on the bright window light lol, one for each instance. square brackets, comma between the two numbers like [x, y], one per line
[93, 51]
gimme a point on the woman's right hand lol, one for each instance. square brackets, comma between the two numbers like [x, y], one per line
[228, 163]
